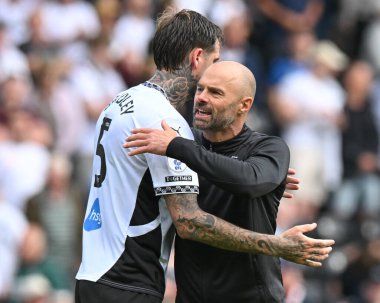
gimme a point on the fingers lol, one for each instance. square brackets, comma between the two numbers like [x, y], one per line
[290, 186]
[140, 147]
[318, 258]
[287, 195]
[315, 259]
[306, 261]
[135, 143]
[138, 142]
[164, 125]
[312, 263]
[312, 258]
[311, 242]
[137, 136]
[138, 151]
[292, 180]
[324, 251]
[142, 130]
[315, 254]
[306, 227]
[291, 171]
[305, 250]
[317, 243]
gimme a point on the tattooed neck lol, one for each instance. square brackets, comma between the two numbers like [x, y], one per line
[179, 85]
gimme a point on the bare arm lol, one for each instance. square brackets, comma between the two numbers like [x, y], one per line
[194, 224]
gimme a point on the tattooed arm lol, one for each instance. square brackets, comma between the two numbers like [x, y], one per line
[192, 223]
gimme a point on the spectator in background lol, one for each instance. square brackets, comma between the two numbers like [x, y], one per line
[355, 206]
[13, 227]
[13, 63]
[60, 105]
[201, 6]
[308, 105]
[130, 40]
[360, 190]
[352, 19]
[359, 280]
[58, 210]
[297, 57]
[68, 38]
[222, 11]
[36, 49]
[15, 94]
[278, 18]
[15, 14]
[108, 12]
[24, 155]
[375, 104]
[237, 48]
[371, 36]
[23, 158]
[39, 279]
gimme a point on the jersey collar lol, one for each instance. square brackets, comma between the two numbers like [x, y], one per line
[156, 87]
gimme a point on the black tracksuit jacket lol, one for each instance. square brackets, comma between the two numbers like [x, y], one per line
[242, 181]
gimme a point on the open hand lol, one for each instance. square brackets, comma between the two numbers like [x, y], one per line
[295, 247]
[150, 140]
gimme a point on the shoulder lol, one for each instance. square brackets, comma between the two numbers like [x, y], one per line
[261, 140]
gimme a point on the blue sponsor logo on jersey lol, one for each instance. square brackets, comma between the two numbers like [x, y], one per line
[94, 219]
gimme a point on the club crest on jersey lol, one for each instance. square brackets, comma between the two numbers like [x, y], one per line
[176, 165]
[94, 219]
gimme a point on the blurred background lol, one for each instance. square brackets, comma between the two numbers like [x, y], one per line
[317, 66]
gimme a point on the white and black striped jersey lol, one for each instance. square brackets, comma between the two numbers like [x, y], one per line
[127, 230]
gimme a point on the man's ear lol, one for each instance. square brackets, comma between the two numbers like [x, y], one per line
[195, 57]
[245, 105]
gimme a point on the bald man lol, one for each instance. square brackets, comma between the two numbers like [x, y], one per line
[242, 177]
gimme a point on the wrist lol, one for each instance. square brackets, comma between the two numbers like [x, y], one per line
[267, 244]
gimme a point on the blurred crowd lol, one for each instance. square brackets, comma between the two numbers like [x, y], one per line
[317, 66]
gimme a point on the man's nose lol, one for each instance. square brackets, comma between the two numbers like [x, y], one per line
[201, 97]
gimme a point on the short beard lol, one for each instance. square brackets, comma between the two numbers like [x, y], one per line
[215, 125]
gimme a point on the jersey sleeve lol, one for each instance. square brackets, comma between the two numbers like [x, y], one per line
[169, 175]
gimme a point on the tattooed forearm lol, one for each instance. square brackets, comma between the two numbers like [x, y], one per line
[265, 245]
[194, 224]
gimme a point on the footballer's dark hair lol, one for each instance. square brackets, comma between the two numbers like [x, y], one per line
[178, 33]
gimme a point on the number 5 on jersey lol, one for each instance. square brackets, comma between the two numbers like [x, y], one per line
[100, 152]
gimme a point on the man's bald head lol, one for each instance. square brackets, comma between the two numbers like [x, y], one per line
[223, 99]
[237, 75]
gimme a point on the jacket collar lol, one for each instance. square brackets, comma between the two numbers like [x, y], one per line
[223, 146]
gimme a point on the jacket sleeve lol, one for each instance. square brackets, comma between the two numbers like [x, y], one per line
[262, 172]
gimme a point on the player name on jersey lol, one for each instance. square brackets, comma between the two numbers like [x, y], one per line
[125, 102]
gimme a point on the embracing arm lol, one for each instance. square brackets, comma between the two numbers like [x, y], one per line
[256, 176]
[194, 224]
